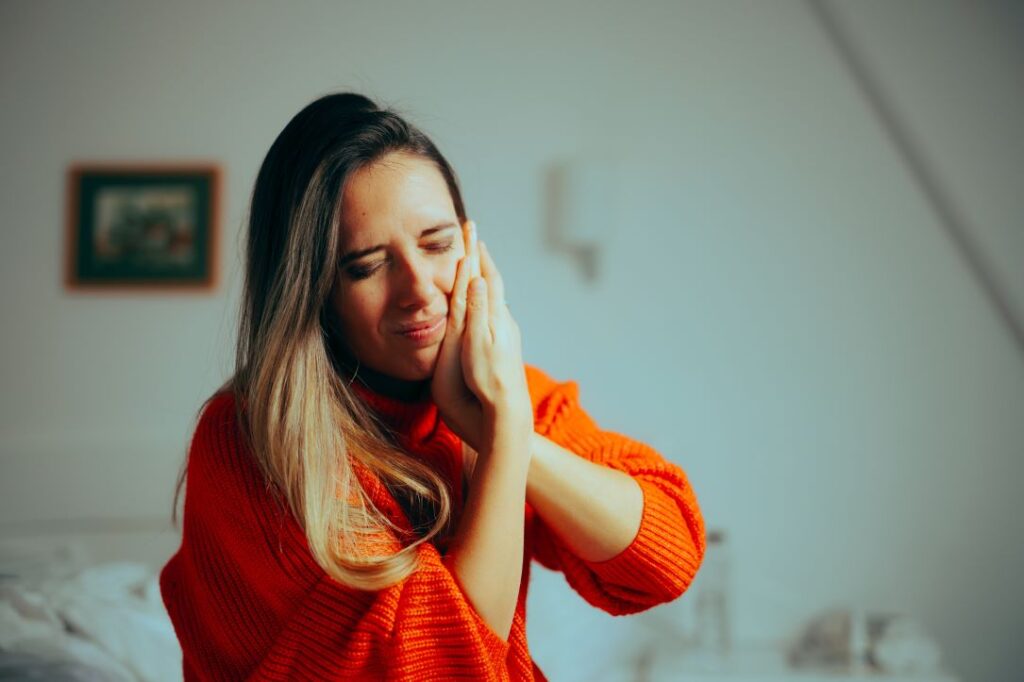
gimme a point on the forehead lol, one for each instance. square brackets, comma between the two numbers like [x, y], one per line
[400, 192]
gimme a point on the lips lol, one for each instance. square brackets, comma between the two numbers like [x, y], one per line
[423, 324]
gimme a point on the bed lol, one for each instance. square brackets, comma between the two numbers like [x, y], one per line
[83, 603]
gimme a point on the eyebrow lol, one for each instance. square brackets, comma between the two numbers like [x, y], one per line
[356, 255]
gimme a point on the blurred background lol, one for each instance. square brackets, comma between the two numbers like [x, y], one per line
[780, 241]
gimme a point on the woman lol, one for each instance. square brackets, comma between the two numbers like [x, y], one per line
[365, 494]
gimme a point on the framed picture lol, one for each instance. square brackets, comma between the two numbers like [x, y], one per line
[142, 226]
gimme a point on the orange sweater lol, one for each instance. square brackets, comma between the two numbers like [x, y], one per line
[248, 601]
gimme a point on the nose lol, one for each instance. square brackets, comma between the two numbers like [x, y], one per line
[416, 287]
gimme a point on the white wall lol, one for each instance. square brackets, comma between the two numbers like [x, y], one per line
[779, 311]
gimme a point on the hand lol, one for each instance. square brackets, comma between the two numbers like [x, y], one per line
[479, 376]
[459, 407]
[492, 359]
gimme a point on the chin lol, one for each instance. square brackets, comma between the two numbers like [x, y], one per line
[421, 366]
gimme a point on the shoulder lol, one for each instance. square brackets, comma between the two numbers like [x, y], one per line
[216, 417]
[218, 409]
[218, 444]
[224, 480]
[542, 385]
[549, 395]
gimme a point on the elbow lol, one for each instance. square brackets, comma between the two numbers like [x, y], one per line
[672, 584]
[684, 550]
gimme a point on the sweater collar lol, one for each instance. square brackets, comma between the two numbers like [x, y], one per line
[401, 390]
[405, 406]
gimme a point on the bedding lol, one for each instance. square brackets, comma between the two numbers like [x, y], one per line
[63, 621]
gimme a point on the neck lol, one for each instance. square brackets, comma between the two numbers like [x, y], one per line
[400, 389]
[386, 385]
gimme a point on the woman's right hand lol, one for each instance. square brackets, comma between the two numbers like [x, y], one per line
[492, 358]
[479, 377]
[459, 407]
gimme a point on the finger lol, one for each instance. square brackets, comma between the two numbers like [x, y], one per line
[477, 323]
[452, 336]
[458, 298]
[478, 336]
[496, 285]
[467, 242]
[474, 251]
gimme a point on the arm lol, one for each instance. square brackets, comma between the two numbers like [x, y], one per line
[660, 559]
[594, 509]
[481, 359]
[248, 600]
[486, 553]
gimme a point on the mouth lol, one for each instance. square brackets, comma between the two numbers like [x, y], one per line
[426, 333]
[422, 326]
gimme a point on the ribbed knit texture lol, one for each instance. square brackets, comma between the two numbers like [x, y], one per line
[248, 601]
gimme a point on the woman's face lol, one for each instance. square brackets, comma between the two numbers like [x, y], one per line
[400, 243]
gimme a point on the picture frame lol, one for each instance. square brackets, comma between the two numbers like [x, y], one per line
[142, 226]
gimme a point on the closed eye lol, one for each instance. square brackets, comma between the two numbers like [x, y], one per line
[441, 247]
[364, 271]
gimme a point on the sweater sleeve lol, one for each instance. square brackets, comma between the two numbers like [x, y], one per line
[248, 601]
[423, 628]
[663, 558]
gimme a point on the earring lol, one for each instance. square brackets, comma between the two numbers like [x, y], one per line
[354, 373]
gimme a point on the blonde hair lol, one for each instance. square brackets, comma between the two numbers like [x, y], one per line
[305, 427]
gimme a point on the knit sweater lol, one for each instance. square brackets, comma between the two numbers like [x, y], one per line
[248, 601]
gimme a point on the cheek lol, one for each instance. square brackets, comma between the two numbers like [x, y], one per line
[360, 313]
[446, 277]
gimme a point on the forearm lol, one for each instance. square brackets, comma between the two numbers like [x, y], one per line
[594, 509]
[486, 551]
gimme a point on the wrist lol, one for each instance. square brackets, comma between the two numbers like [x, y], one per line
[504, 424]
[508, 417]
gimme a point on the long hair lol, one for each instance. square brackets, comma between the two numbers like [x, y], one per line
[304, 425]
